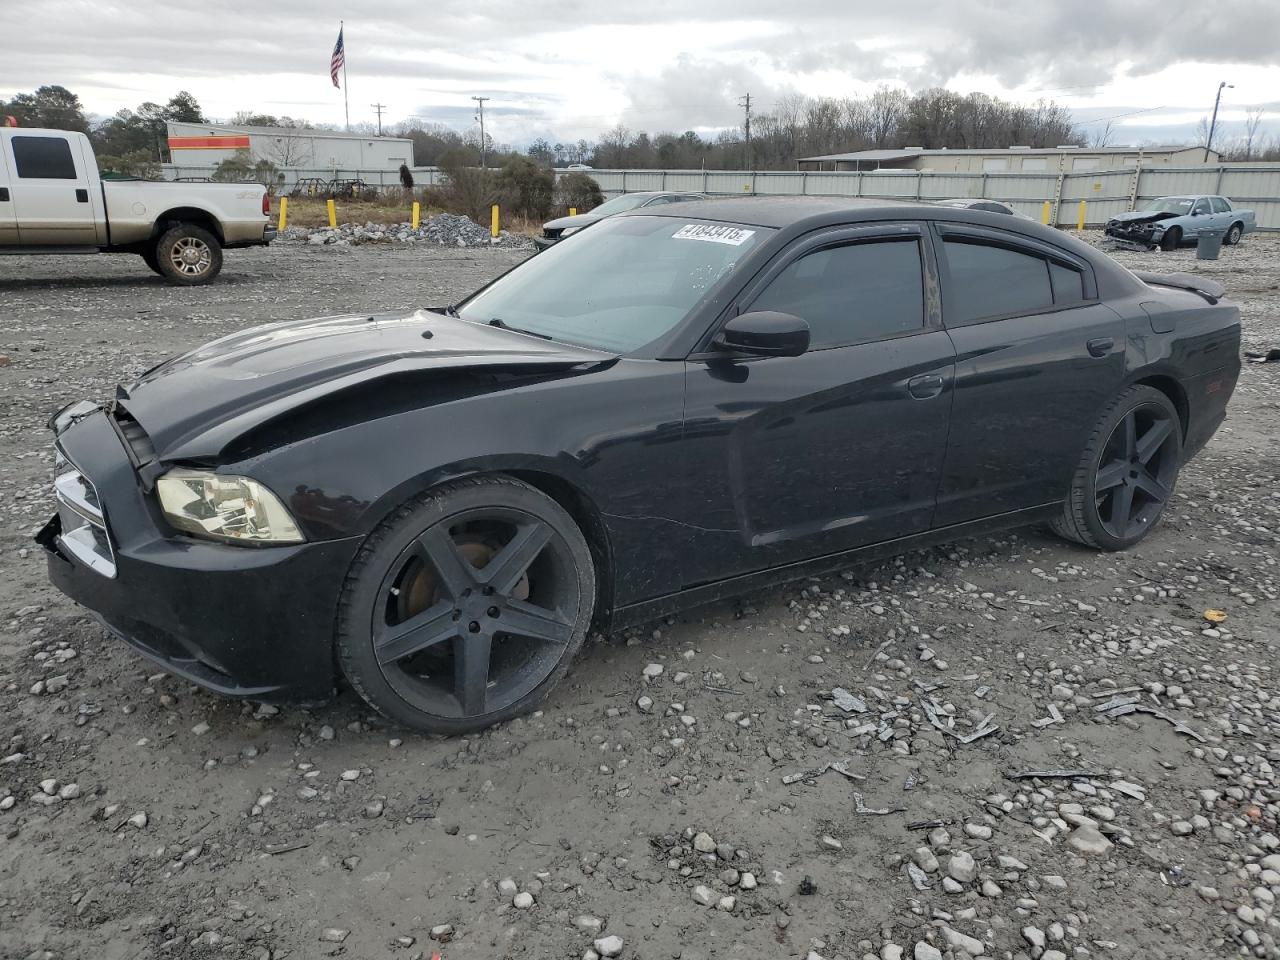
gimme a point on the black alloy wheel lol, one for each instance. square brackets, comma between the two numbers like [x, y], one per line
[467, 606]
[1138, 468]
[1127, 474]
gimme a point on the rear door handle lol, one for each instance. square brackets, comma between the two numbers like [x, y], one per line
[82, 196]
[1101, 346]
[925, 386]
[4, 194]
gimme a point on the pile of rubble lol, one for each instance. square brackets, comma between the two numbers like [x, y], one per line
[447, 229]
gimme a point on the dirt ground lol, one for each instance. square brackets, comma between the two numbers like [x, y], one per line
[142, 818]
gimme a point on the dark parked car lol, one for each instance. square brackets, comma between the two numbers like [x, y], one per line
[979, 203]
[555, 230]
[694, 401]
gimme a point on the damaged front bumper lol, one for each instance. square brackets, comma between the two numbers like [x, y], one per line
[1144, 234]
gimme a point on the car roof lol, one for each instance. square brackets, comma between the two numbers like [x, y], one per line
[780, 212]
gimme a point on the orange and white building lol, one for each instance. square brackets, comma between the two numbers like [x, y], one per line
[208, 144]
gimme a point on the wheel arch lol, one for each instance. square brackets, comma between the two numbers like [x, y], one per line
[1177, 395]
[193, 215]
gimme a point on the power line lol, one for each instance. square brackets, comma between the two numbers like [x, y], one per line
[378, 108]
[480, 115]
[1121, 115]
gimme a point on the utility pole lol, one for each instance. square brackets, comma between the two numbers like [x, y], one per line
[745, 102]
[378, 108]
[1217, 100]
[480, 115]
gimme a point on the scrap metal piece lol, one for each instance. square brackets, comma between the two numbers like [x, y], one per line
[1049, 774]
[847, 702]
[860, 806]
[919, 879]
[1127, 708]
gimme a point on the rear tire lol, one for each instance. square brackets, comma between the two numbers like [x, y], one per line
[1234, 234]
[1126, 474]
[466, 606]
[188, 255]
[1172, 239]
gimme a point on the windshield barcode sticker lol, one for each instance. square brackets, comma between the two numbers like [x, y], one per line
[734, 236]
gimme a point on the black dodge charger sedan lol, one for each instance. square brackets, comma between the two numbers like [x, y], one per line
[677, 405]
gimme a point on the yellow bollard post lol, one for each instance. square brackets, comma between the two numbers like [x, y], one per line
[493, 225]
[1044, 213]
[333, 215]
[1080, 221]
[417, 214]
[284, 212]
[573, 211]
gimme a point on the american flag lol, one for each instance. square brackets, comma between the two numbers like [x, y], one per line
[339, 58]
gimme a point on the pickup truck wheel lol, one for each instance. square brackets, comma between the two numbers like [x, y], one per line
[465, 606]
[149, 258]
[188, 255]
[1172, 239]
[1234, 234]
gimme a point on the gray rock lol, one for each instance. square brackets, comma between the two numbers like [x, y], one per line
[926, 951]
[610, 946]
[704, 895]
[1087, 840]
[961, 867]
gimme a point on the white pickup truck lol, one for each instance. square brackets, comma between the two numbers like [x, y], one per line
[52, 200]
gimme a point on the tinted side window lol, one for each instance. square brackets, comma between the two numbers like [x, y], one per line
[1220, 205]
[43, 158]
[1068, 284]
[1201, 207]
[853, 293]
[990, 281]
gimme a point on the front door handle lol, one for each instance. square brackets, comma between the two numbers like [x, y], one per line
[925, 386]
[1100, 346]
[82, 196]
[4, 194]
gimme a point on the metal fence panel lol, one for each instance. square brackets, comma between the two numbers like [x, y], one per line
[1105, 192]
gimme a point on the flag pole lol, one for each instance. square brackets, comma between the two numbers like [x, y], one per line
[346, 110]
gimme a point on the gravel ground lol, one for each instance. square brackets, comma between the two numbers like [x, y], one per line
[786, 776]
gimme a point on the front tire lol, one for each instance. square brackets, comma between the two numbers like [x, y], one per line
[466, 606]
[149, 258]
[188, 255]
[1127, 472]
[1172, 239]
[1234, 234]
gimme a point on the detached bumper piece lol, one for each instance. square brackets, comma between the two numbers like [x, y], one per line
[242, 621]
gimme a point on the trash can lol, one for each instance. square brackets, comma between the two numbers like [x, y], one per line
[1209, 244]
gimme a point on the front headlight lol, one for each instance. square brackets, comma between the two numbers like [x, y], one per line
[220, 507]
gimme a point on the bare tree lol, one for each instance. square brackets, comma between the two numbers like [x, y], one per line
[289, 150]
[1102, 137]
[1252, 121]
[1202, 132]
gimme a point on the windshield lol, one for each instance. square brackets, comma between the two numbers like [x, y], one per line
[1178, 205]
[619, 285]
[628, 201]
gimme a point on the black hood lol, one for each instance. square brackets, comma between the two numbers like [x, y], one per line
[192, 405]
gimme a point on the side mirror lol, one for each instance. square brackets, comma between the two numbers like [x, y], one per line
[764, 333]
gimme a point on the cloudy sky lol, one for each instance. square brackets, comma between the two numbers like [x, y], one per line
[570, 68]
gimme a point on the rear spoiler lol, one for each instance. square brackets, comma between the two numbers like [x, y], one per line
[1211, 290]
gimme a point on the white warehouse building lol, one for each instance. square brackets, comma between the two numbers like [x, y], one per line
[208, 144]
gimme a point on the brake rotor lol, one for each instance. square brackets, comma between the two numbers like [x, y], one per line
[424, 589]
